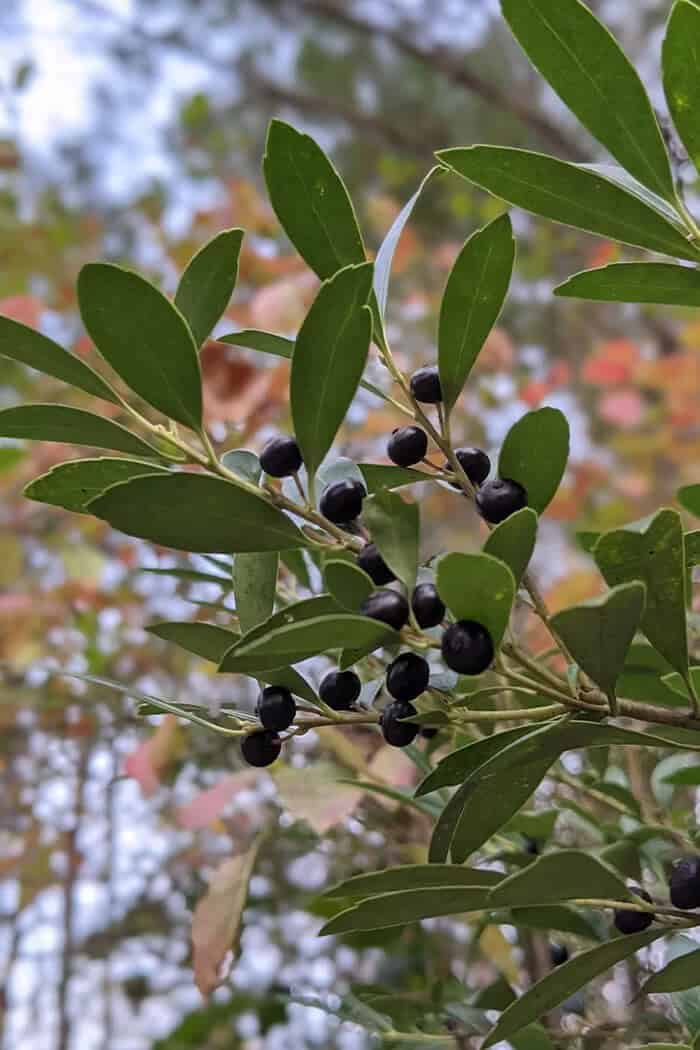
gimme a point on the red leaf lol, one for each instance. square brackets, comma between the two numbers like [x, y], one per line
[206, 807]
[152, 756]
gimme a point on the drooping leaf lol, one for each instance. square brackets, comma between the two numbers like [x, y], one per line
[535, 453]
[396, 909]
[513, 541]
[636, 283]
[347, 583]
[680, 71]
[477, 587]
[145, 339]
[560, 876]
[689, 497]
[208, 640]
[656, 557]
[681, 973]
[599, 632]
[386, 476]
[589, 71]
[412, 877]
[254, 585]
[394, 526]
[196, 512]
[73, 426]
[24, 344]
[328, 361]
[208, 281]
[73, 484]
[474, 296]
[385, 255]
[562, 982]
[570, 194]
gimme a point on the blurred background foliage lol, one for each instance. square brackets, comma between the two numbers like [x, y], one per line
[133, 130]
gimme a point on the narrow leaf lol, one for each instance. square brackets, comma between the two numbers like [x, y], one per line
[460, 764]
[477, 587]
[680, 974]
[661, 283]
[265, 342]
[680, 69]
[307, 609]
[535, 453]
[394, 526]
[561, 876]
[72, 485]
[208, 282]
[385, 255]
[513, 541]
[386, 476]
[396, 909]
[412, 877]
[72, 426]
[347, 583]
[207, 640]
[254, 585]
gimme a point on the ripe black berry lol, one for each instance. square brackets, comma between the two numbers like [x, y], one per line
[342, 501]
[425, 385]
[388, 606]
[374, 565]
[684, 883]
[261, 748]
[629, 921]
[396, 732]
[559, 954]
[467, 647]
[532, 846]
[407, 446]
[428, 732]
[496, 500]
[428, 607]
[474, 462]
[340, 689]
[407, 677]
[276, 708]
[280, 457]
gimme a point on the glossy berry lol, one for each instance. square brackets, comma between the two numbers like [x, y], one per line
[474, 462]
[407, 445]
[342, 501]
[374, 565]
[629, 921]
[276, 708]
[428, 607]
[407, 677]
[428, 732]
[425, 385]
[261, 748]
[281, 457]
[388, 606]
[684, 883]
[340, 689]
[531, 846]
[559, 954]
[467, 647]
[396, 732]
[496, 500]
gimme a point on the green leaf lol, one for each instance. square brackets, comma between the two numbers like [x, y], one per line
[688, 777]
[459, 765]
[689, 497]
[196, 512]
[680, 70]
[395, 528]
[591, 74]
[10, 456]
[385, 476]
[692, 548]
[73, 426]
[348, 584]
[254, 585]
[329, 359]
[474, 295]
[681, 973]
[656, 557]
[561, 876]
[568, 194]
[535, 453]
[477, 587]
[207, 640]
[24, 344]
[534, 1037]
[562, 982]
[243, 464]
[557, 917]
[72, 485]
[661, 283]
[513, 541]
[265, 342]
[412, 877]
[396, 909]
[599, 632]
[299, 641]
[208, 282]
[307, 609]
[145, 339]
[385, 255]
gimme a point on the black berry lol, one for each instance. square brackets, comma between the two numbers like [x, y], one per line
[684, 883]
[532, 846]
[407, 677]
[342, 501]
[261, 748]
[558, 953]
[428, 607]
[496, 500]
[276, 708]
[280, 457]
[474, 462]
[629, 921]
[425, 385]
[396, 732]
[374, 565]
[407, 445]
[467, 647]
[428, 732]
[388, 606]
[340, 689]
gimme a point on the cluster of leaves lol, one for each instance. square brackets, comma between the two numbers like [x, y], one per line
[177, 492]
